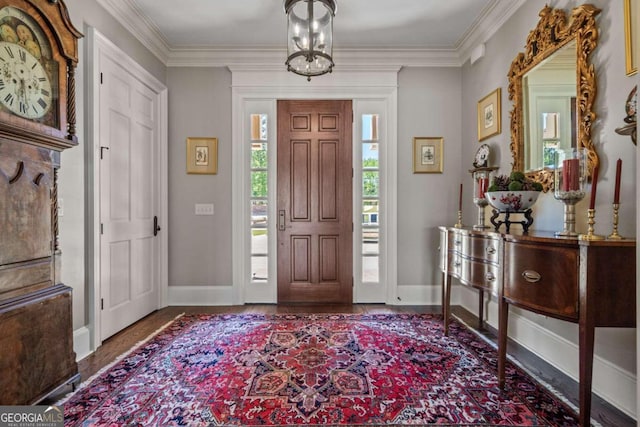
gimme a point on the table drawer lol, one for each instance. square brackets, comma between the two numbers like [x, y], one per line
[485, 248]
[482, 275]
[542, 278]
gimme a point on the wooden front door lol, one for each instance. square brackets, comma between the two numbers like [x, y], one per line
[315, 229]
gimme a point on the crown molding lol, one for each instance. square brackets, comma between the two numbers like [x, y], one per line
[488, 23]
[344, 58]
[141, 27]
[128, 14]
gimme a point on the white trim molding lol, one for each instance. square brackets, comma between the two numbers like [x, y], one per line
[251, 86]
[97, 43]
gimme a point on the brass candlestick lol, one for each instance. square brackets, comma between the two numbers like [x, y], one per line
[459, 223]
[614, 235]
[590, 235]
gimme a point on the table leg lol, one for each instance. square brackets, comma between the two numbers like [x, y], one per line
[446, 303]
[503, 321]
[480, 308]
[586, 342]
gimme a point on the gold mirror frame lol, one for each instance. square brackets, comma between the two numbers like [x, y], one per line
[552, 32]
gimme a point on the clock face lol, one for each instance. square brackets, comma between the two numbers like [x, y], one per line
[25, 88]
[482, 156]
[28, 73]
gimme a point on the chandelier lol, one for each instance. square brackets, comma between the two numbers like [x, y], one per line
[310, 36]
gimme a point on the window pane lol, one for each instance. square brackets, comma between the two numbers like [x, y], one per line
[370, 183]
[259, 155]
[370, 212]
[259, 268]
[259, 184]
[370, 244]
[259, 127]
[259, 241]
[370, 155]
[259, 213]
[369, 127]
[370, 269]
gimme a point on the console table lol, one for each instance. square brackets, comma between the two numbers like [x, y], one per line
[591, 283]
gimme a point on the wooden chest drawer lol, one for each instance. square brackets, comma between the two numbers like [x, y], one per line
[542, 278]
[485, 248]
[482, 275]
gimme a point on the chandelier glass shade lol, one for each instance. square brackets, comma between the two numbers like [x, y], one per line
[310, 36]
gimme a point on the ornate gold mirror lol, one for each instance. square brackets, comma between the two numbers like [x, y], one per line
[553, 87]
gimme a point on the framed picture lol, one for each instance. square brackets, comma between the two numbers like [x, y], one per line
[631, 35]
[202, 155]
[489, 115]
[427, 154]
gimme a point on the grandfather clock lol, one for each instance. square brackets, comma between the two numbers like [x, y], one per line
[38, 57]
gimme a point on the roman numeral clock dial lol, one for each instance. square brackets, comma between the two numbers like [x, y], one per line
[25, 88]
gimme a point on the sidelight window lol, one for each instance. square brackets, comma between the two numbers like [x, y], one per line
[259, 198]
[370, 205]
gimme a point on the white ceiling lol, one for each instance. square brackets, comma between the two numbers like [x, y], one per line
[191, 32]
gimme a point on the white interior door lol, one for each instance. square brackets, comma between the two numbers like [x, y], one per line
[129, 197]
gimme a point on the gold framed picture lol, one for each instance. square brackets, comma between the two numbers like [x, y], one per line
[427, 154]
[202, 155]
[489, 115]
[631, 35]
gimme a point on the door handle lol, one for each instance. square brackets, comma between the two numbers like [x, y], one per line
[102, 152]
[281, 214]
[156, 227]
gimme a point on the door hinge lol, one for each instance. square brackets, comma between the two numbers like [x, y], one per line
[351, 116]
[101, 303]
[101, 78]
[101, 228]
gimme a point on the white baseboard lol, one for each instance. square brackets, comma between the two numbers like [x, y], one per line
[418, 295]
[82, 342]
[200, 295]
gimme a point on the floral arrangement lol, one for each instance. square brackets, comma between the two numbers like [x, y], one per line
[516, 181]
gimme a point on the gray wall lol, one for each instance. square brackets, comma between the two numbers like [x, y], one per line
[72, 178]
[199, 246]
[429, 104]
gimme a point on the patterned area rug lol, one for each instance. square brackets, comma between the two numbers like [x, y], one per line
[312, 369]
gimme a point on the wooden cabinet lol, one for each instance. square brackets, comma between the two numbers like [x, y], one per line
[37, 122]
[592, 283]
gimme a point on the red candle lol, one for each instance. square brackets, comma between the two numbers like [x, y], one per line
[594, 186]
[483, 184]
[616, 196]
[460, 199]
[570, 175]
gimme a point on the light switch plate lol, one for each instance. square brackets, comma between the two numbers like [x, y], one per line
[204, 208]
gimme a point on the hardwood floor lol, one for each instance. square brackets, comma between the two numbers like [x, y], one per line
[123, 341]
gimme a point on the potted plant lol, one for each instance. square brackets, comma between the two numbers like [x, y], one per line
[513, 193]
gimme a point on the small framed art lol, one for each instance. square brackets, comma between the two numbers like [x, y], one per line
[489, 115]
[427, 154]
[202, 155]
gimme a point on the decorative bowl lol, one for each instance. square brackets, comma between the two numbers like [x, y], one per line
[512, 201]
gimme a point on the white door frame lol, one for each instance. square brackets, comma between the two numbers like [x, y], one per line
[99, 43]
[258, 84]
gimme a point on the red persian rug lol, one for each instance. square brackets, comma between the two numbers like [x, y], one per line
[211, 370]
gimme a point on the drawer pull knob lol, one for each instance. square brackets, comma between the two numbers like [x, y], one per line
[457, 242]
[457, 264]
[531, 276]
[491, 250]
[490, 277]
